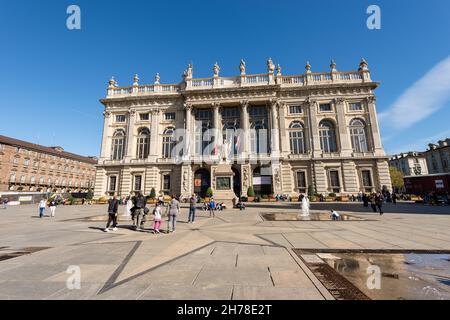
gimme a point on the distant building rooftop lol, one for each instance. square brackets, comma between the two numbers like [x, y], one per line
[56, 151]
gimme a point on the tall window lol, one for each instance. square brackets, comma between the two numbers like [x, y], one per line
[138, 183]
[327, 135]
[143, 143]
[358, 136]
[301, 181]
[259, 137]
[231, 121]
[202, 125]
[118, 145]
[297, 137]
[335, 184]
[367, 180]
[166, 184]
[112, 184]
[12, 177]
[168, 142]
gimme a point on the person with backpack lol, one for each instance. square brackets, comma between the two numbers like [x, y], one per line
[173, 209]
[113, 208]
[139, 202]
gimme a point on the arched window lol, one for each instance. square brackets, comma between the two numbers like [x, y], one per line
[327, 135]
[33, 180]
[297, 138]
[143, 143]
[12, 177]
[23, 179]
[118, 145]
[358, 135]
[168, 142]
[41, 180]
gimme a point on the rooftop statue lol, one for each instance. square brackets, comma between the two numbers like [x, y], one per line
[216, 69]
[188, 71]
[242, 67]
[270, 66]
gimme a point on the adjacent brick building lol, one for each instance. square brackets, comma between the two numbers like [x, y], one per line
[25, 166]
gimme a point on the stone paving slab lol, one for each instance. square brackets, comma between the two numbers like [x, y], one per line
[233, 256]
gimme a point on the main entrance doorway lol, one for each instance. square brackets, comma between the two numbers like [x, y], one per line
[237, 188]
[202, 181]
[262, 181]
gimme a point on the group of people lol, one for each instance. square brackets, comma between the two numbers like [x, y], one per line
[51, 204]
[137, 207]
[376, 201]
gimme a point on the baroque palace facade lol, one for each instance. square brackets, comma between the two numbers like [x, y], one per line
[281, 134]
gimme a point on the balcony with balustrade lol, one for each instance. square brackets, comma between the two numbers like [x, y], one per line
[190, 84]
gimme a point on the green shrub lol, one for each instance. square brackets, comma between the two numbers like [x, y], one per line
[250, 191]
[311, 191]
[153, 193]
[90, 195]
[332, 195]
[209, 192]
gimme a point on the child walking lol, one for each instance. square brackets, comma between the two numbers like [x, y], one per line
[157, 219]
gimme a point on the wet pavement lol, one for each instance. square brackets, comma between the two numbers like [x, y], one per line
[315, 216]
[403, 276]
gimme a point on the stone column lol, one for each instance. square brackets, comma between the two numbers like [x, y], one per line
[314, 139]
[245, 125]
[274, 129]
[189, 126]
[285, 147]
[130, 135]
[344, 136]
[154, 137]
[216, 125]
[106, 145]
[375, 129]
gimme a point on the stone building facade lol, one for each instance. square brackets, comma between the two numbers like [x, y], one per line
[410, 164]
[277, 133]
[438, 157]
[25, 166]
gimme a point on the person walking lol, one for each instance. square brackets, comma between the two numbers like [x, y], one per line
[373, 202]
[42, 205]
[113, 208]
[139, 203]
[4, 203]
[379, 199]
[212, 208]
[52, 207]
[192, 207]
[173, 209]
[157, 218]
[394, 198]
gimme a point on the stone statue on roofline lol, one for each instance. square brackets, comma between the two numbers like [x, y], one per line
[270, 66]
[188, 72]
[216, 69]
[242, 67]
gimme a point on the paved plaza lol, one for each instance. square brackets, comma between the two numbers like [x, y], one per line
[236, 255]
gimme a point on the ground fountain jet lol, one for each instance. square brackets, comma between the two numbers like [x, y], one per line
[305, 207]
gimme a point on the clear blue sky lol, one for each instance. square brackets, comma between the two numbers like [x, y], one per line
[51, 78]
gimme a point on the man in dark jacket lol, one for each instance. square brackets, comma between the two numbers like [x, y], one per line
[113, 207]
[139, 202]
